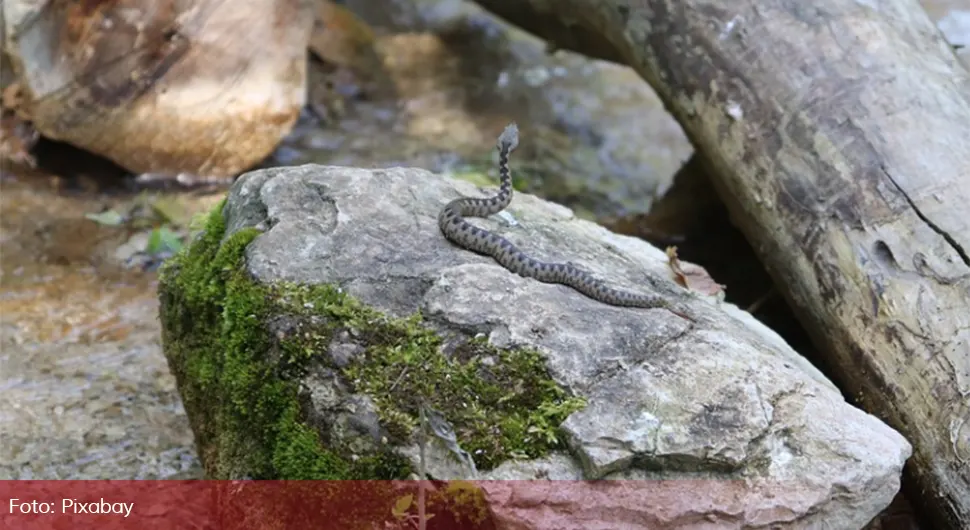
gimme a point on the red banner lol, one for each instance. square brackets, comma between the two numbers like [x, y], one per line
[146, 505]
[365, 505]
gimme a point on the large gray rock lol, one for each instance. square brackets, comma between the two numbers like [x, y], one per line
[717, 424]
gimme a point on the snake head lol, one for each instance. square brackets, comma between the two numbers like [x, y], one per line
[509, 138]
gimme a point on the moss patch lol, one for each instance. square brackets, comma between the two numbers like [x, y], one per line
[502, 403]
[240, 381]
[246, 419]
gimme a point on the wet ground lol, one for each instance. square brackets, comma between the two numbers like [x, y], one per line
[84, 388]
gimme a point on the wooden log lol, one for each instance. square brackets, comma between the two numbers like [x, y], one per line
[839, 137]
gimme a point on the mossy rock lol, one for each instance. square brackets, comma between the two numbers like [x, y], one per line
[240, 350]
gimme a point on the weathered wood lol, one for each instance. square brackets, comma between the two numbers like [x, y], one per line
[162, 87]
[839, 137]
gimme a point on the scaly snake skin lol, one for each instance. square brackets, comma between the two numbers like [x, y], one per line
[456, 229]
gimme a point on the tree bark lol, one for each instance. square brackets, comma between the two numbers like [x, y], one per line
[839, 137]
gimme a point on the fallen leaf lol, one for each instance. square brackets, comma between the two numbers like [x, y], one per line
[402, 505]
[171, 210]
[162, 240]
[107, 218]
[693, 277]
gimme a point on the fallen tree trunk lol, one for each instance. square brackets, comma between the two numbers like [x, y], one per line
[838, 134]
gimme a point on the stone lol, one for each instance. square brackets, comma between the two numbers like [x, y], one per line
[718, 424]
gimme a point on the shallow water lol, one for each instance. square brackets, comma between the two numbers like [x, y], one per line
[84, 387]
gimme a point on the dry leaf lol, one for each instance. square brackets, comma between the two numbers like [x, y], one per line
[693, 277]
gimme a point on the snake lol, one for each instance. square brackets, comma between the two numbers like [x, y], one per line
[455, 228]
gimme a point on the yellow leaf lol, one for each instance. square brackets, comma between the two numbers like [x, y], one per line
[401, 506]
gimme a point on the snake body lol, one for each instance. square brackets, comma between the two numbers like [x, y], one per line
[452, 223]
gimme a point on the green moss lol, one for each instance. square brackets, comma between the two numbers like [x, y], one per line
[245, 417]
[297, 441]
[240, 382]
[501, 403]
